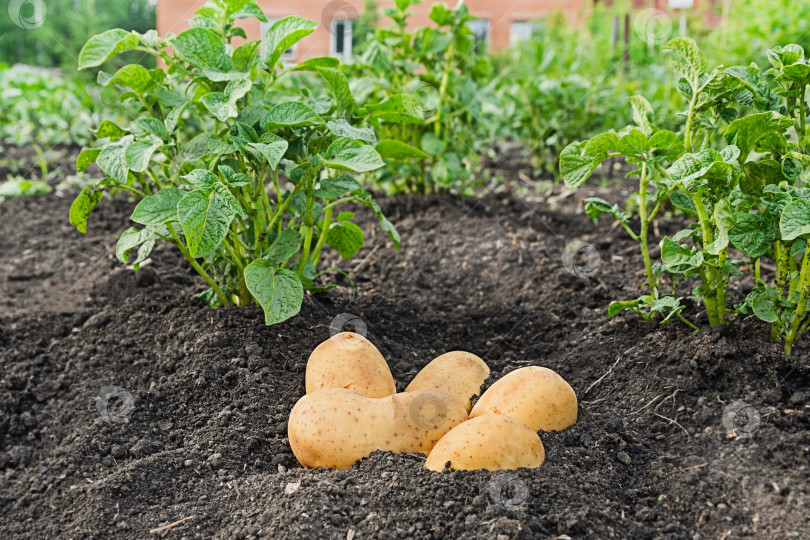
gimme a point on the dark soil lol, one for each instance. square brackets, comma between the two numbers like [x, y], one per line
[195, 429]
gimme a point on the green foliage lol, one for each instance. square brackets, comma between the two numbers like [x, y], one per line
[365, 26]
[18, 186]
[43, 107]
[566, 84]
[737, 166]
[425, 88]
[237, 168]
[53, 39]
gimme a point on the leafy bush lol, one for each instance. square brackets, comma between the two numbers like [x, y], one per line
[567, 83]
[43, 107]
[211, 133]
[50, 33]
[749, 192]
[428, 85]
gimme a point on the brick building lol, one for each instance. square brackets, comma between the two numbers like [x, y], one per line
[502, 22]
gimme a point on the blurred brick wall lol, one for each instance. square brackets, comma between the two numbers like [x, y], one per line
[501, 14]
[173, 14]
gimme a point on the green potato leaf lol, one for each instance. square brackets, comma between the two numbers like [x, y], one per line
[104, 46]
[113, 159]
[278, 291]
[272, 152]
[577, 165]
[643, 114]
[290, 114]
[346, 238]
[283, 34]
[132, 238]
[752, 235]
[333, 187]
[159, 208]
[138, 154]
[795, 220]
[349, 154]
[341, 128]
[203, 48]
[284, 247]
[680, 259]
[393, 149]
[205, 215]
[86, 158]
[82, 207]
[133, 76]
[747, 131]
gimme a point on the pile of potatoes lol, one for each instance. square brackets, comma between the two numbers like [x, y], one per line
[351, 409]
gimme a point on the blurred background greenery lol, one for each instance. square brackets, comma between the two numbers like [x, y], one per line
[566, 83]
[67, 25]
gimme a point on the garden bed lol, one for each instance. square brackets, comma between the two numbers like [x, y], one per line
[206, 440]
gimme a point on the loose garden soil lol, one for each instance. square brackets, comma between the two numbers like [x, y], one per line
[205, 437]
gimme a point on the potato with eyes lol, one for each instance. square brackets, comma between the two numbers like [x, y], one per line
[536, 395]
[493, 442]
[461, 374]
[348, 360]
[336, 427]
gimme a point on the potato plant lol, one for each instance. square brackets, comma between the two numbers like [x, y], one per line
[42, 107]
[213, 146]
[737, 168]
[427, 82]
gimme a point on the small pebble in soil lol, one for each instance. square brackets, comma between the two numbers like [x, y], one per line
[144, 447]
[623, 457]
[798, 398]
[215, 460]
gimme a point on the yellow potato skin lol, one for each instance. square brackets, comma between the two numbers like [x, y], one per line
[536, 395]
[335, 427]
[460, 374]
[348, 360]
[493, 442]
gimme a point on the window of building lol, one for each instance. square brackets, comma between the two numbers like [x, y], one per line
[340, 42]
[480, 27]
[522, 31]
[287, 55]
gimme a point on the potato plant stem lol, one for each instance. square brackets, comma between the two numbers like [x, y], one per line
[687, 323]
[307, 244]
[208, 279]
[707, 275]
[720, 283]
[803, 290]
[283, 206]
[244, 297]
[443, 86]
[792, 269]
[687, 135]
[782, 253]
[645, 224]
[802, 119]
[306, 227]
[327, 221]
